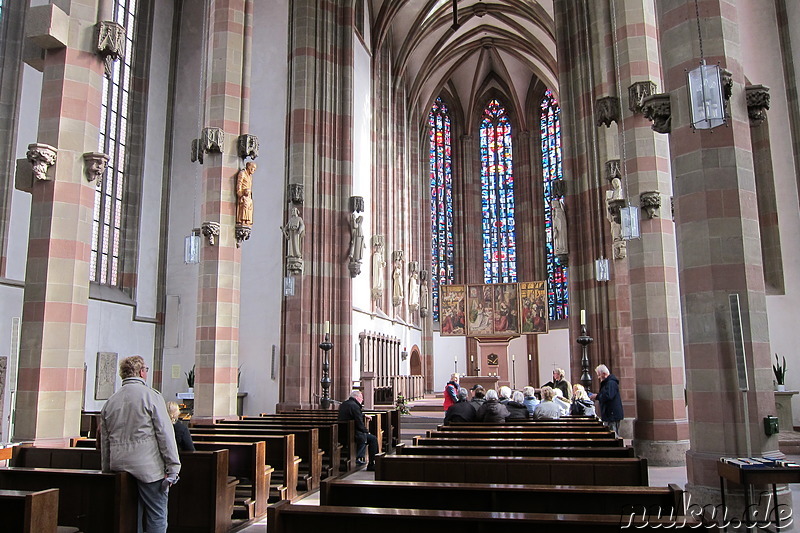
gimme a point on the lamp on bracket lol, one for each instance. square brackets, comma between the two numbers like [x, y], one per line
[706, 98]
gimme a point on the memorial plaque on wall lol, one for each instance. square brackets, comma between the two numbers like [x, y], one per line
[453, 309]
[480, 302]
[106, 375]
[533, 307]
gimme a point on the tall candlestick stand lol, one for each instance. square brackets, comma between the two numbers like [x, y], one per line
[326, 346]
[585, 340]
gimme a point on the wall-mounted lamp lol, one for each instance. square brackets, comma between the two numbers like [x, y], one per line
[629, 220]
[705, 97]
[191, 248]
[601, 269]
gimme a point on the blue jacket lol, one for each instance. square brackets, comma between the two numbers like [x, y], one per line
[610, 400]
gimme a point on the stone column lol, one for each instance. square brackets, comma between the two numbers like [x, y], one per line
[50, 381]
[661, 430]
[217, 342]
[719, 251]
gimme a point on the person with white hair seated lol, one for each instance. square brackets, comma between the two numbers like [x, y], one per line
[547, 409]
[561, 401]
[516, 407]
[505, 394]
[492, 410]
[351, 409]
[530, 399]
[461, 411]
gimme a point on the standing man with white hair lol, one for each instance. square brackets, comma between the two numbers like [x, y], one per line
[609, 398]
[137, 437]
[351, 409]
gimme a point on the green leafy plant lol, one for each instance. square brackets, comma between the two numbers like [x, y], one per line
[401, 405]
[190, 377]
[779, 370]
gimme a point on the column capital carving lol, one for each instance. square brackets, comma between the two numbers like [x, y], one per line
[651, 203]
[42, 157]
[211, 230]
[110, 43]
[242, 234]
[607, 111]
[247, 145]
[212, 140]
[95, 165]
[757, 103]
[356, 204]
[637, 92]
[657, 109]
[297, 193]
[613, 169]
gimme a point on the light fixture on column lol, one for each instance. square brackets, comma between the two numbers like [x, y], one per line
[707, 106]
[629, 220]
[191, 248]
[601, 269]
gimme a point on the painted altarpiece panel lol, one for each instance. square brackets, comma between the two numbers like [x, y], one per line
[480, 301]
[533, 307]
[506, 308]
[453, 310]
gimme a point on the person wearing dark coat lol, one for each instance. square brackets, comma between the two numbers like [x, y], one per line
[516, 407]
[351, 409]
[609, 398]
[461, 411]
[492, 410]
[478, 397]
[182, 436]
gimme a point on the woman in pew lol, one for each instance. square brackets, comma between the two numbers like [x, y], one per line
[182, 436]
[581, 404]
[530, 400]
[516, 407]
[492, 410]
[547, 409]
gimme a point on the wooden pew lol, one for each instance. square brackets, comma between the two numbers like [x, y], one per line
[521, 434]
[620, 501]
[306, 446]
[279, 455]
[379, 425]
[553, 428]
[40, 457]
[246, 462]
[346, 432]
[616, 471]
[519, 451]
[90, 500]
[202, 501]
[25, 511]
[287, 518]
[531, 441]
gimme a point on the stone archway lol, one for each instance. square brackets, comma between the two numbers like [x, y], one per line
[415, 365]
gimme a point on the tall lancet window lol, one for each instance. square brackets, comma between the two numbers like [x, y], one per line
[550, 124]
[442, 269]
[108, 201]
[497, 197]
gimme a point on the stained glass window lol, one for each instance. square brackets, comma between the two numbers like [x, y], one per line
[442, 263]
[557, 288]
[497, 197]
[108, 215]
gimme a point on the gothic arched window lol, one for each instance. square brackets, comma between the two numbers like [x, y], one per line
[114, 122]
[442, 263]
[557, 293]
[497, 197]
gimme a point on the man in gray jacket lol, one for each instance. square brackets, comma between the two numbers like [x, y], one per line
[137, 437]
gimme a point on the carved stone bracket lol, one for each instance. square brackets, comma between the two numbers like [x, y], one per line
[657, 109]
[247, 146]
[354, 267]
[110, 43]
[197, 153]
[558, 188]
[211, 230]
[613, 169]
[294, 265]
[95, 165]
[607, 111]
[638, 92]
[614, 207]
[726, 78]
[651, 203]
[242, 234]
[297, 194]
[41, 157]
[356, 204]
[757, 103]
[212, 140]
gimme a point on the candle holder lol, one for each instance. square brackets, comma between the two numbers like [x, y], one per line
[326, 346]
[585, 340]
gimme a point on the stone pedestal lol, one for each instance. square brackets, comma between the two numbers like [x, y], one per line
[783, 406]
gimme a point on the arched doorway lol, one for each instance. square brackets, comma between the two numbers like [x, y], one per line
[416, 362]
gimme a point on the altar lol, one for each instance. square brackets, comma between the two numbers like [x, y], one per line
[487, 382]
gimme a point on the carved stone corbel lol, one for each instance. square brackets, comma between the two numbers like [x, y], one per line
[356, 204]
[211, 230]
[297, 193]
[42, 157]
[247, 146]
[638, 92]
[613, 169]
[558, 188]
[212, 140]
[110, 43]
[757, 103]
[657, 109]
[651, 203]
[607, 111]
[95, 165]
[242, 234]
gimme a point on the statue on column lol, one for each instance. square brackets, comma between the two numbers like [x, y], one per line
[413, 286]
[356, 251]
[423, 293]
[559, 218]
[378, 267]
[294, 231]
[397, 278]
[244, 194]
[615, 202]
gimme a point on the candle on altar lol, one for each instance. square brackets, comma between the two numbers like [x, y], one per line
[471, 358]
[327, 327]
[513, 357]
[529, 357]
[583, 317]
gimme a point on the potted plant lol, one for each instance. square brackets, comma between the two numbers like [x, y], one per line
[780, 373]
[190, 379]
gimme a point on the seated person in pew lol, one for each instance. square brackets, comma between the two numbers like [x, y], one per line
[547, 408]
[560, 383]
[478, 397]
[137, 437]
[581, 404]
[351, 409]
[505, 394]
[562, 402]
[516, 407]
[462, 411]
[492, 410]
[182, 436]
[530, 400]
